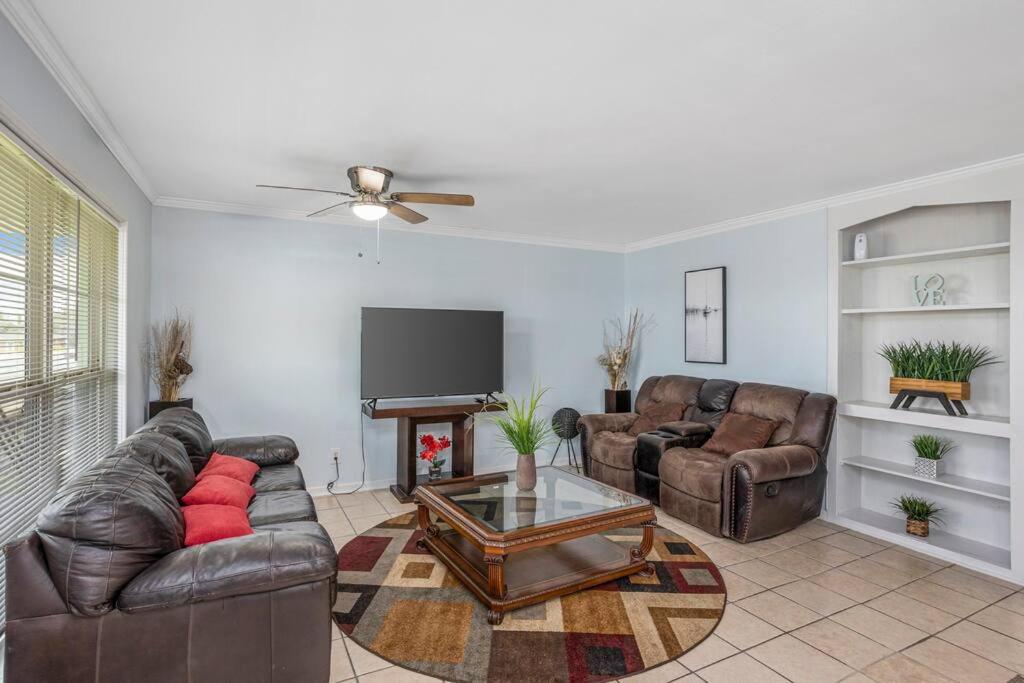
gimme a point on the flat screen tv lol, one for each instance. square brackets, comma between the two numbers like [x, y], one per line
[414, 352]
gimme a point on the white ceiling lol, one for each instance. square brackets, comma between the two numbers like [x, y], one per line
[599, 121]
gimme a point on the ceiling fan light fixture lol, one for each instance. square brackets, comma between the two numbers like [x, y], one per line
[369, 211]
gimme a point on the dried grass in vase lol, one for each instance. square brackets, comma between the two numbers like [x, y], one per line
[170, 346]
[619, 342]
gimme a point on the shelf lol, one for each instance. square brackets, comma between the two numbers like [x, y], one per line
[986, 425]
[950, 481]
[928, 309]
[936, 255]
[939, 542]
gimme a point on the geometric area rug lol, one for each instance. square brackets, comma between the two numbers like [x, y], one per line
[403, 605]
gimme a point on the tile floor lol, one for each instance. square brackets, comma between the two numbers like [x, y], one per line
[817, 604]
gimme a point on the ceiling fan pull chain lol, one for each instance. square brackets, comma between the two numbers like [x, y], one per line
[378, 241]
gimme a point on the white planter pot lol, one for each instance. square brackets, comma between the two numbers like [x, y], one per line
[929, 469]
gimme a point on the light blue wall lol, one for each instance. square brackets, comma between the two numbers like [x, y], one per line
[276, 306]
[35, 106]
[776, 302]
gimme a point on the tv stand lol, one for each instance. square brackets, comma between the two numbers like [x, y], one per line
[411, 414]
[489, 398]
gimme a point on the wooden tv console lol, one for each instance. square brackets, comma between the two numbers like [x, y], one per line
[410, 414]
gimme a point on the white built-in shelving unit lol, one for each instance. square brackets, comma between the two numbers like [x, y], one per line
[968, 230]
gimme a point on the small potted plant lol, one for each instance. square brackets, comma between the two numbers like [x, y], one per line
[432, 448]
[525, 432]
[919, 512]
[930, 450]
[167, 355]
[619, 343]
[939, 367]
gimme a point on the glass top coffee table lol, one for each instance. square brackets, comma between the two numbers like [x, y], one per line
[515, 548]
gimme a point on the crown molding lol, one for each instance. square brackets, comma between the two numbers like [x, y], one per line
[33, 30]
[340, 219]
[818, 204]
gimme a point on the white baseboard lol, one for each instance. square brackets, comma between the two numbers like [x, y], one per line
[379, 484]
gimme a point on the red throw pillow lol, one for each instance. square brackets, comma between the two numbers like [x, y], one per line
[740, 433]
[206, 523]
[229, 466]
[216, 489]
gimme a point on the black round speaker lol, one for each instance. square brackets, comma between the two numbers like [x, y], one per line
[563, 423]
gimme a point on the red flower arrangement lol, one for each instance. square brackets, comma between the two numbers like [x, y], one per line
[432, 447]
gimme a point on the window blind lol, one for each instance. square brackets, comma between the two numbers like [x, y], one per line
[58, 339]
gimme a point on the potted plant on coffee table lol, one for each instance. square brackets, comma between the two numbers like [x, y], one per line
[919, 512]
[930, 450]
[937, 369]
[167, 355]
[524, 431]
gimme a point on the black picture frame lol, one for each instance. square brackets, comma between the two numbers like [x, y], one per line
[719, 330]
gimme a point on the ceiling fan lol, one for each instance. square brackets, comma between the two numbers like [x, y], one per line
[371, 200]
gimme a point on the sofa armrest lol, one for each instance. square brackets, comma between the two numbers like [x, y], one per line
[775, 463]
[685, 428]
[607, 422]
[262, 450]
[264, 561]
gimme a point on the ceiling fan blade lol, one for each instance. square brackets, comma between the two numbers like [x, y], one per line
[405, 213]
[434, 198]
[321, 212]
[308, 189]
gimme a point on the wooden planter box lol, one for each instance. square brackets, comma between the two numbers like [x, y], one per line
[954, 391]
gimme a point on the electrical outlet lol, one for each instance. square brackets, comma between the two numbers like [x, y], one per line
[335, 454]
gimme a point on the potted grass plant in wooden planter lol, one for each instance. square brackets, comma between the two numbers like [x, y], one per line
[940, 370]
[930, 450]
[920, 513]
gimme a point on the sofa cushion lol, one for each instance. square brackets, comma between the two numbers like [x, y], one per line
[262, 450]
[188, 427]
[279, 478]
[740, 433]
[209, 523]
[614, 449]
[272, 507]
[714, 399]
[677, 389]
[103, 528]
[769, 402]
[271, 558]
[164, 454]
[693, 471]
[654, 415]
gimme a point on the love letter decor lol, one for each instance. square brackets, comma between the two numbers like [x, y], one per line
[930, 292]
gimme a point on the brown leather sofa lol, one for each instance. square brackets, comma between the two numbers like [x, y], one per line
[688, 407]
[747, 495]
[104, 590]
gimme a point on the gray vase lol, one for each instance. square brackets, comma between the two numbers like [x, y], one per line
[526, 471]
[929, 469]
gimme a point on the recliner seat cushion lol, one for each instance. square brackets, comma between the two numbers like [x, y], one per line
[769, 402]
[614, 449]
[677, 389]
[188, 427]
[693, 471]
[273, 507]
[279, 478]
[164, 454]
[105, 527]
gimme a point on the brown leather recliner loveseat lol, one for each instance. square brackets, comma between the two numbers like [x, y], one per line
[746, 494]
[104, 590]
